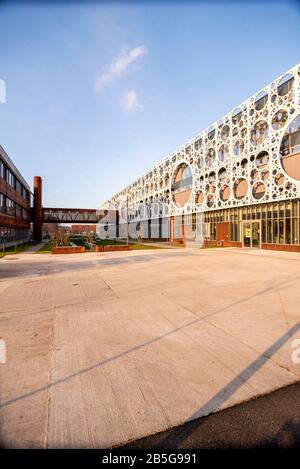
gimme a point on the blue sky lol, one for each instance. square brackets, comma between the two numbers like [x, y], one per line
[97, 94]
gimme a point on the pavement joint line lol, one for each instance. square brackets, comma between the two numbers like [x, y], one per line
[50, 374]
[242, 410]
[110, 287]
[205, 319]
[270, 300]
[248, 371]
[95, 365]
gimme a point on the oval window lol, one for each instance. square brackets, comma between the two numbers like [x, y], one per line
[258, 190]
[259, 132]
[279, 119]
[225, 193]
[225, 132]
[262, 159]
[223, 152]
[182, 184]
[240, 188]
[236, 116]
[290, 149]
[210, 157]
[261, 100]
[238, 147]
[285, 84]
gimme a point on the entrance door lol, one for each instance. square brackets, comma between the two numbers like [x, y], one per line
[222, 232]
[251, 234]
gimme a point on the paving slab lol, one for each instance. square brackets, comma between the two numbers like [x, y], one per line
[107, 348]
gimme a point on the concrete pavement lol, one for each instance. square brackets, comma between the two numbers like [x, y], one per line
[105, 348]
[270, 421]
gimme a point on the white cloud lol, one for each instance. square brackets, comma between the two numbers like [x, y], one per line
[118, 66]
[130, 101]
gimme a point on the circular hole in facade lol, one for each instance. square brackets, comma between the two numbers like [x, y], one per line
[200, 162]
[198, 143]
[225, 193]
[279, 179]
[244, 163]
[258, 190]
[212, 177]
[262, 159]
[236, 116]
[290, 149]
[222, 174]
[210, 157]
[244, 133]
[265, 175]
[199, 198]
[254, 174]
[223, 152]
[285, 85]
[259, 132]
[210, 200]
[225, 132]
[182, 184]
[211, 133]
[238, 147]
[240, 188]
[279, 119]
[261, 100]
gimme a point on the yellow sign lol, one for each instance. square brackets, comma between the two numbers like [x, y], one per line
[248, 233]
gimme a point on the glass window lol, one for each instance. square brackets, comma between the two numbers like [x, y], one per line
[295, 231]
[2, 203]
[2, 169]
[285, 84]
[237, 116]
[279, 119]
[290, 149]
[275, 232]
[269, 231]
[259, 132]
[223, 152]
[288, 231]
[238, 147]
[281, 231]
[261, 100]
[263, 231]
[211, 133]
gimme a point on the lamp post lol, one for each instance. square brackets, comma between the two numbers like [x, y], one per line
[127, 230]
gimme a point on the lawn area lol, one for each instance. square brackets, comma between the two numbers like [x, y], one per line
[134, 246]
[80, 242]
[108, 242]
[47, 248]
[143, 246]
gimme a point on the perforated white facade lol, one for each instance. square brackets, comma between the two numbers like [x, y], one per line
[245, 158]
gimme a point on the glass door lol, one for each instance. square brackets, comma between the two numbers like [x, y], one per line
[255, 235]
[251, 234]
[246, 235]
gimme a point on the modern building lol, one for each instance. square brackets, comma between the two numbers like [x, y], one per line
[83, 229]
[236, 183]
[14, 203]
